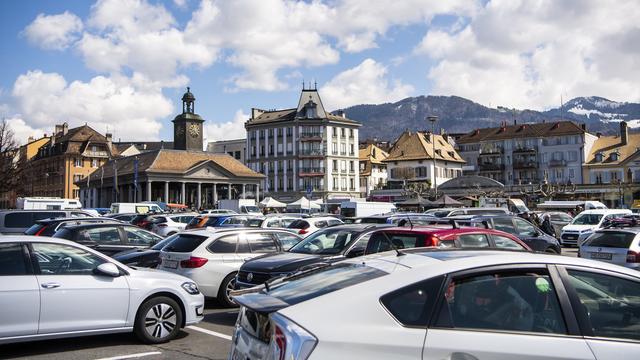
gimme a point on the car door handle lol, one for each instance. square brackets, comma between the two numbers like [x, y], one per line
[50, 285]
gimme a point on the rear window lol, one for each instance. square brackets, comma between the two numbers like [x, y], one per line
[299, 224]
[21, 219]
[324, 281]
[373, 220]
[185, 243]
[611, 239]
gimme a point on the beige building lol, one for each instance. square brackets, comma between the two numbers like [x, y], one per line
[304, 150]
[373, 170]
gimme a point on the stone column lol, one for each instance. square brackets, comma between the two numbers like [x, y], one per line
[149, 190]
[244, 191]
[257, 193]
[229, 191]
[215, 194]
[199, 200]
[183, 193]
[166, 192]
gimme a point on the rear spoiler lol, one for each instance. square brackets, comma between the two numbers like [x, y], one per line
[260, 303]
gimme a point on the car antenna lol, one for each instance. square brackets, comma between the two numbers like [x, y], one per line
[410, 222]
[393, 246]
[454, 224]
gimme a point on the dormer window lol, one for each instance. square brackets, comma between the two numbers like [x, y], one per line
[599, 157]
[614, 156]
[311, 110]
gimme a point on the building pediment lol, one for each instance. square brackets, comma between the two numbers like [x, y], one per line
[207, 169]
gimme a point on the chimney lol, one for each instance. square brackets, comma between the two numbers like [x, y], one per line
[624, 133]
[65, 128]
[255, 112]
[598, 134]
[340, 113]
[58, 129]
[584, 127]
[30, 139]
[109, 137]
[374, 152]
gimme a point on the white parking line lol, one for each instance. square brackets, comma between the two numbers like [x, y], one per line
[132, 356]
[209, 332]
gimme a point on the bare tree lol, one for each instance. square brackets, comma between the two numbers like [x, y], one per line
[9, 154]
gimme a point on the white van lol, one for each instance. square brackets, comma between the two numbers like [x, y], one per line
[47, 203]
[585, 223]
[138, 208]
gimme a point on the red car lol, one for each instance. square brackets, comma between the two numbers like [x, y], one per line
[438, 236]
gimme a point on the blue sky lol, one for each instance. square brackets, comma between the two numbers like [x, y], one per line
[124, 64]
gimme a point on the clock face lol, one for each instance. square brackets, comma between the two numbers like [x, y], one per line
[194, 130]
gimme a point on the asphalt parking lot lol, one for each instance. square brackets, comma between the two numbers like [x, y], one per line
[210, 339]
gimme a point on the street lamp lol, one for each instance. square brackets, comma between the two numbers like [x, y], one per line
[432, 119]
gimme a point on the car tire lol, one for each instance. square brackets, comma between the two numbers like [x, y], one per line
[158, 320]
[226, 286]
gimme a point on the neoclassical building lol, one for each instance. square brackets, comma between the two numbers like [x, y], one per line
[185, 174]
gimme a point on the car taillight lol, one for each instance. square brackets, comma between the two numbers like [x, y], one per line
[432, 240]
[40, 231]
[633, 257]
[280, 342]
[289, 340]
[303, 231]
[193, 262]
[162, 225]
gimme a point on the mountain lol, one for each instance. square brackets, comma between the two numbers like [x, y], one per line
[460, 115]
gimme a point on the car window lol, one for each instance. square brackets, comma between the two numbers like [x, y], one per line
[320, 224]
[186, 219]
[504, 224]
[287, 222]
[509, 301]
[261, 243]
[612, 304]
[413, 304]
[611, 239]
[58, 259]
[381, 241]
[524, 228]
[102, 235]
[560, 217]
[287, 240]
[473, 240]
[329, 241]
[503, 242]
[361, 244]
[299, 224]
[334, 222]
[141, 237]
[12, 260]
[587, 219]
[224, 245]
[18, 220]
[273, 223]
[184, 243]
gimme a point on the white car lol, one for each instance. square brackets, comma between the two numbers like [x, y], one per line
[279, 221]
[167, 225]
[585, 223]
[307, 226]
[616, 245]
[445, 304]
[217, 211]
[54, 288]
[213, 258]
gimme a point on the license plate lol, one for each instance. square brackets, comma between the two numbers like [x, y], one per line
[171, 264]
[601, 256]
[571, 237]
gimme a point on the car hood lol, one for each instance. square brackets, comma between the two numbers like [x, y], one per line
[153, 274]
[579, 228]
[281, 262]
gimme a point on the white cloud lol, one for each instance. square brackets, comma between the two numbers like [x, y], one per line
[129, 111]
[547, 48]
[54, 32]
[22, 131]
[229, 130]
[366, 83]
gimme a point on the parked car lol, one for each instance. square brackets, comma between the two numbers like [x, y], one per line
[337, 243]
[617, 244]
[212, 259]
[217, 211]
[109, 238]
[53, 288]
[203, 221]
[141, 257]
[48, 227]
[138, 208]
[18, 221]
[530, 234]
[445, 304]
[557, 221]
[127, 217]
[144, 221]
[280, 221]
[308, 226]
[447, 212]
[167, 225]
[586, 222]
[397, 219]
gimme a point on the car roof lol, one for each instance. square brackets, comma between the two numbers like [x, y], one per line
[319, 218]
[209, 231]
[96, 225]
[74, 218]
[605, 211]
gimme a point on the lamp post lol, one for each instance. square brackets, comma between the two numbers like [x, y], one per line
[432, 119]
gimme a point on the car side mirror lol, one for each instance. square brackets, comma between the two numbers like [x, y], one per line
[108, 269]
[355, 253]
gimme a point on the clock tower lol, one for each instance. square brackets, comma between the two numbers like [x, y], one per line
[187, 127]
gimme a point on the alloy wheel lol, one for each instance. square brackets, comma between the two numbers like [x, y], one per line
[160, 321]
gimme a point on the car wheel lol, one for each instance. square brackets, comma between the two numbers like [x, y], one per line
[158, 320]
[227, 285]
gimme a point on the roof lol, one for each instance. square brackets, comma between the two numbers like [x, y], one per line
[371, 155]
[608, 145]
[144, 146]
[522, 131]
[172, 161]
[419, 146]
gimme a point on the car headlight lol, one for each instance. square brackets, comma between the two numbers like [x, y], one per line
[191, 288]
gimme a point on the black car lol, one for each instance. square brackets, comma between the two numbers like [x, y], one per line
[48, 227]
[109, 238]
[148, 258]
[326, 245]
[537, 239]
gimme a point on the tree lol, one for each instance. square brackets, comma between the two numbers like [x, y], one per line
[9, 154]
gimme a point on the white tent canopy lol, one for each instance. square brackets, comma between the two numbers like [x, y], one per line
[303, 203]
[270, 202]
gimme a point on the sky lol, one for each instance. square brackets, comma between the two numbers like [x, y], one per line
[122, 65]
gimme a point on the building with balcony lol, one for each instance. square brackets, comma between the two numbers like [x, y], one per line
[373, 170]
[612, 168]
[411, 159]
[304, 150]
[527, 153]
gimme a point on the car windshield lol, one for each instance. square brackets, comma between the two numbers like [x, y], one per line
[252, 209]
[587, 219]
[325, 242]
[324, 281]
